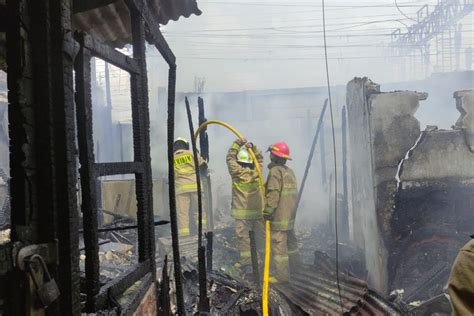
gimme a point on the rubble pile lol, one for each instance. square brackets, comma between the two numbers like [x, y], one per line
[117, 250]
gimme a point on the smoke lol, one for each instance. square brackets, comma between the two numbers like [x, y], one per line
[263, 117]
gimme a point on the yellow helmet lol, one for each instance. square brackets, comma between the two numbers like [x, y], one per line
[244, 156]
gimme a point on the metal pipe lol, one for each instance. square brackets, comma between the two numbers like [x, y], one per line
[311, 153]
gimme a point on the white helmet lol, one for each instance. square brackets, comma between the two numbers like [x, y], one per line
[244, 156]
[181, 139]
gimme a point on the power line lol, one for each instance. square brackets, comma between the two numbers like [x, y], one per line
[351, 24]
[402, 13]
[291, 34]
[335, 156]
[295, 58]
[349, 6]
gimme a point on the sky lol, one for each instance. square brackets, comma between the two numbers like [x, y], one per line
[261, 44]
[238, 45]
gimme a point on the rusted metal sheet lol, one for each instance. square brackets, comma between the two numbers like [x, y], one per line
[109, 20]
[315, 291]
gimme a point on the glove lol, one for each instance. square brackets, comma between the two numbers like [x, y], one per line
[249, 145]
[268, 214]
[240, 142]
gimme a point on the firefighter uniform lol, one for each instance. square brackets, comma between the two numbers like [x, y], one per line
[281, 195]
[247, 202]
[461, 281]
[186, 191]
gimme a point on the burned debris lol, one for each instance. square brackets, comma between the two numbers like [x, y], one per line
[94, 215]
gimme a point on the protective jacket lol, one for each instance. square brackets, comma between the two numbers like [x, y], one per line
[461, 281]
[281, 194]
[246, 197]
[185, 173]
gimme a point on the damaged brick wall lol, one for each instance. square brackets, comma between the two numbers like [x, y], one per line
[406, 183]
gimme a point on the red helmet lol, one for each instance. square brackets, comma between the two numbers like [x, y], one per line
[280, 149]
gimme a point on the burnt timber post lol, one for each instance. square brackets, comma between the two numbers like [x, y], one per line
[42, 146]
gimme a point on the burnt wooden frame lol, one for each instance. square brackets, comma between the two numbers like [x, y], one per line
[140, 166]
[41, 54]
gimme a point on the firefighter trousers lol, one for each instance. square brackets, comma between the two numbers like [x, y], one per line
[187, 213]
[242, 228]
[284, 253]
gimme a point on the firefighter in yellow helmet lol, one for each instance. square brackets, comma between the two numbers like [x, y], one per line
[247, 201]
[186, 187]
[461, 281]
[280, 209]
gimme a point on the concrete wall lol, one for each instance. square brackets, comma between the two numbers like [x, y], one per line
[465, 105]
[382, 128]
[366, 229]
[395, 166]
[440, 155]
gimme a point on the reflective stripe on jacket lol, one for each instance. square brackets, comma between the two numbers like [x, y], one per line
[281, 195]
[185, 173]
[246, 197]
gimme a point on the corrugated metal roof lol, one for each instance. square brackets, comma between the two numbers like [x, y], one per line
[314, 290]
[111, 23]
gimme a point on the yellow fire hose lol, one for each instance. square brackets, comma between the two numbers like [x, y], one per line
[266, 266]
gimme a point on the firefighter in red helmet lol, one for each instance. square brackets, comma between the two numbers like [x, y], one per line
[280, 209]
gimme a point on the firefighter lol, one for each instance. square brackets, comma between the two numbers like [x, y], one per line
[280, 209]
[461, 281]
[247, 201]
[186, 187]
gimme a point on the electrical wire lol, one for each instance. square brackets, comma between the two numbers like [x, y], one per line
[402, 13]
[335, 156]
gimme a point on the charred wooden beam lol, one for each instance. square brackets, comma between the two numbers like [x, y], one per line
[135, 298]
[198, 172]
[209, 250]
[153, 30]
[254, 256]
[203, 299]
[86, 5]
[114, 168]
[121, 283]
[311, 152]
[3, 18]
[40, 55]
[203, 136]
[164, 301]
[178, 277]
[129, 227]
[204, 146]
[111, 55]
[203, 306]
[141, 143]
[88, 180]
[63, 52]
